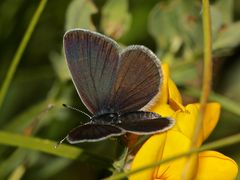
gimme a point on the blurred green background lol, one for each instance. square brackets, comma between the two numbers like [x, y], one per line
[171, 28]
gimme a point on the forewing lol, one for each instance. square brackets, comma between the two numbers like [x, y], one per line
[92, 60]
[141, 122]
[92, 132]
[138, 79]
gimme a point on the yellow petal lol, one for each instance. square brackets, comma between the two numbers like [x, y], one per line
[175, 143]
[175, 98]
[158, 147]
[214, 165]
[186, 120]
[210, 119]
[150, 152]
[164, 87]
[164, 110]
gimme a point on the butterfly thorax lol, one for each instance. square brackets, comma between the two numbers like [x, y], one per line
[107, 118]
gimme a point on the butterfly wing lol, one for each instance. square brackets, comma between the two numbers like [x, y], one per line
[141, 122]
[138, 79]
[92, 132]
[92, 59]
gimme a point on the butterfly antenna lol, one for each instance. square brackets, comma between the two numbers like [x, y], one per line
[60, 142]
[75, 109]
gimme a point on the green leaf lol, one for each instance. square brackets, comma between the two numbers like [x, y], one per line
[12, 162]
[176, 20]
[217, 22]
[228, 38]
[21, 121]
[39, 144]
[221, 15]
[47, 146]
[53, 168]
[185, 73]
[79, 14]
[226, 9]
[116, 19]
[60, 66]
[8, 11]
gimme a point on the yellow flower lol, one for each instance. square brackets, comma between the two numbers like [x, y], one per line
[206, 165]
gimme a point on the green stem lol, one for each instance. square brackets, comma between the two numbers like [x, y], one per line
[207, 70]
[17, 56]
[213, 145]
[48, 146]
[207, 79]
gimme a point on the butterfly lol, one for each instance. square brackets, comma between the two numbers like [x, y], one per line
[114, 84]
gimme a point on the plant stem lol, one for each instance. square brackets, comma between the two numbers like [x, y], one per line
[22, 46]
[188, 172]
[207, 70]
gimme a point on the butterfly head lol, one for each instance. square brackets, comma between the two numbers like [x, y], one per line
[107, 118]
